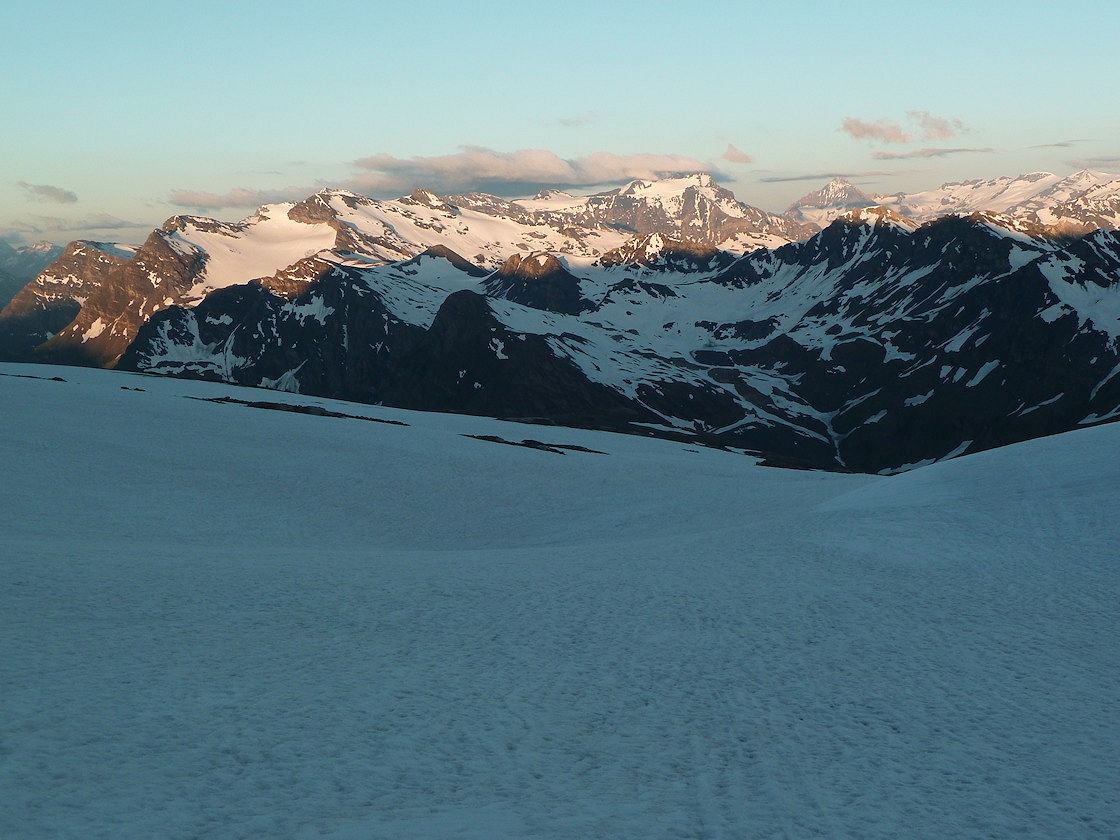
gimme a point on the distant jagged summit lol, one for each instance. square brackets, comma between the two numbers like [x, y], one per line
[822, 206]
[88, 304]
[1021, 196]
[839, 192]
[19, 265]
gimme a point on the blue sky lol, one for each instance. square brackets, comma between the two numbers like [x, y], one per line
[133, 111]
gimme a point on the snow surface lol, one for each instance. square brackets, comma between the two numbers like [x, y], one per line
[1019, 195]
[225, 622]
[264, 244]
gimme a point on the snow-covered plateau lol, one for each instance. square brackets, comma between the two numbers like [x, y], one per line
[226, 621]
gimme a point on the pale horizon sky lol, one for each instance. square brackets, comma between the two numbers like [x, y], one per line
[125, 114]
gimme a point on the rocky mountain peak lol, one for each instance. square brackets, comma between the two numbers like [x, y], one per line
[674, 183]
[656, 248]
[540, 281]
[426, 198]
[822, 206]
[442, 252]
[876, 216]
[837, 193]
[531, 266]
[552, 192]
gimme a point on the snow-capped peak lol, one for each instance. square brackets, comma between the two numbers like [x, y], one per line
[878, 216]
[838, 193]
[545, 194]
[673, 184]
[822, 206]
[426, 197]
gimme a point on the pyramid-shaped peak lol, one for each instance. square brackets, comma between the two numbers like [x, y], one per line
[1089, 176]
[838, 193]
[442, 252]
[426, 197]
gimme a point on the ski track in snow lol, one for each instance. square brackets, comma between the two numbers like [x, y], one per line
[223, 622]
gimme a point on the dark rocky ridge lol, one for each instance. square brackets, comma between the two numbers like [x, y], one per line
[87, 311]
[538, 281]
[875, 344]
[896, 345]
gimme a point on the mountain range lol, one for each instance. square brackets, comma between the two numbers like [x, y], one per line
[908, 329]
[20, 265]
[1077, 203]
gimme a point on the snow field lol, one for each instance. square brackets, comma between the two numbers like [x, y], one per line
[226, 622]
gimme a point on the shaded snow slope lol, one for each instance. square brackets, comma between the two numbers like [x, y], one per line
[220, 622]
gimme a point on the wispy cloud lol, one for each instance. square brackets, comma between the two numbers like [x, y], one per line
[1061, 144]
[96, 221]
[883, 131]
[925, 153]
[576, 120]
[473, 168]
[936, 128]
[927, 126]
[46, 192]
[1098, 162]
[735, 155]
[822, 176]
[203, 200]
[37, 226]
[511, 173]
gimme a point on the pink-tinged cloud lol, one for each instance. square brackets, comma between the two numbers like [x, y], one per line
[937, 128]
[925, 153]
[824, 176]
[883, 131]
[1105, 162]
[1061, 144]
[474, 168]
[928, 127]
[736, 155]
[239, 197]
[511, 173]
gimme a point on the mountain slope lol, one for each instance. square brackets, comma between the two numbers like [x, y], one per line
[875, 345]
[9, 285]
[87, 306]
[1023, 196]
[821, 207]
[224, 621]
[1096, 207]
[18, 266]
